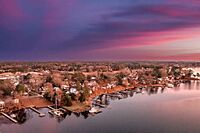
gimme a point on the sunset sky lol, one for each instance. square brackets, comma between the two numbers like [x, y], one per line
[100, 30]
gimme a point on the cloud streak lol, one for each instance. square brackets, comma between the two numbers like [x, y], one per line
[71, 29]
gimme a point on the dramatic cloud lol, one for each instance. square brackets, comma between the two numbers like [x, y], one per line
[76, 29]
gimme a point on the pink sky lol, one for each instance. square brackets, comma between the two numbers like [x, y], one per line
[100, 30]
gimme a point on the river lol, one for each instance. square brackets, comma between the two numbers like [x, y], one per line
[174, 110]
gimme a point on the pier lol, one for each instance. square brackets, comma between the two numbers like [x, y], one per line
[64, 109]
[55, 112]
[9, 117]
[100, 105]
[115, 95]
[37, 111]
[51, 108]
[124, 92]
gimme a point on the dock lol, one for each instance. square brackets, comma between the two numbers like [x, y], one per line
[54, 112]
[115, 95]
[50, 112]
[100, 105]
[64, 109]
[51, 108]
[37, 111]
[10, 118]
[124, 92]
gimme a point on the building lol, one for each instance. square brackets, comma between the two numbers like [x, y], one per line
[2, 104]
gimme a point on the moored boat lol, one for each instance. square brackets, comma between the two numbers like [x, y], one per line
[94, 110]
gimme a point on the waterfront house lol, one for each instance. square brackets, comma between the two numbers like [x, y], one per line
[2, 104]
[73, 90]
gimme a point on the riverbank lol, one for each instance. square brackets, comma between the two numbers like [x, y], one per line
[77, 107]
[170, 110]
[120, 88]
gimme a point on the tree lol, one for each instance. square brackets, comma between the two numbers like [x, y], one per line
[119, 77]
[78, 85]
[57, 79]
[190, 73]
[7, 91]
[20, 88]
[103, 77]
[67, 99]
[82, 97]
[176, 71]
[73, 96]
[47, 96]
[79, 77]
[198, 75]
[6, 87]
[156, 72]
[49, 79]
[27, 77]
[84, 94]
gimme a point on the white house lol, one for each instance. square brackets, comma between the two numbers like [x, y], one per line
[2, 104]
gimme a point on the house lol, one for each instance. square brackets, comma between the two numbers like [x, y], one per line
[2, 104]
[125, 81]
[65, 87]
[16, 101]
[73, 90]
[93, 78]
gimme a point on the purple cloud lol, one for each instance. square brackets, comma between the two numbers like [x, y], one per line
[70, 28]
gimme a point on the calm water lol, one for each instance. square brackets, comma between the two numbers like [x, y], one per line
[175, 110]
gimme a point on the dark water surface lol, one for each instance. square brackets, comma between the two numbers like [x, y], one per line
[176, 110]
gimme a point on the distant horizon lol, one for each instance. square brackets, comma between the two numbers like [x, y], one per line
[2, 61]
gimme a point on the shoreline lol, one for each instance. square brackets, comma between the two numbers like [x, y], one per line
[78, 107]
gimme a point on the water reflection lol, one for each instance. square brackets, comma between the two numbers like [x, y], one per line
[21, 115]
[104, 101]
[101, 101]
[161, 109]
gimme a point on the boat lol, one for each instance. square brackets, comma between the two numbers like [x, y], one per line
[170, 85]
[94, 110]
[56, 112]
[143, 92]
[41, 115]
[13, 116]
